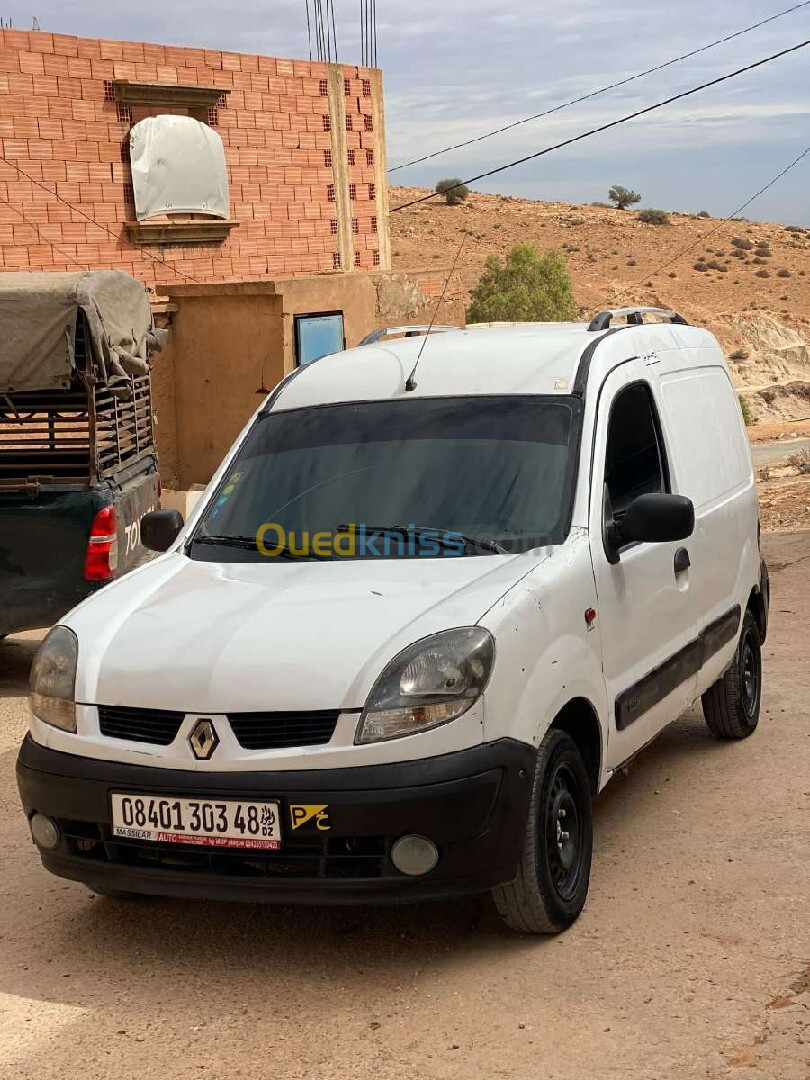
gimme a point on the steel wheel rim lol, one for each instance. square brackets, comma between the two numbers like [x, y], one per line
[564, 836]
[750, 664]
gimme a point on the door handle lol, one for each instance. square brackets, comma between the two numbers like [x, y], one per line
[682, 561]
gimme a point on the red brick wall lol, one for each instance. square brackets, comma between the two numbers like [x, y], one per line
[59, 126]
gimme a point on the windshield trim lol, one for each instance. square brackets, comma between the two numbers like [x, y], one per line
[573, 401]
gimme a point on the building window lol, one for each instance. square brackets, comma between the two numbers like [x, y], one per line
[213, 117]
[372, 192]
[336, 260]
[366, 87]
[351, 157]
[357, 258]
[222, 101]
[374, 224]
[126, 156]
[318, 335]
[333, 226]
[330, 192]
[327, 159]
[369, 157]
[123, 113]
[178, 167]
[355, 225]
[347, 87]
[368, 122]
[129, 193]
[352, 191]
[375, 258]
[349, 124]
[323, 87]
[109, 90]
[327, 123]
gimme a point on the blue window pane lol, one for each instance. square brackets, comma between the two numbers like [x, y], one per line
[317, 336]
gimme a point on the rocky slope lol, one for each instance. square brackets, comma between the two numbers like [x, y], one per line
[746, 281]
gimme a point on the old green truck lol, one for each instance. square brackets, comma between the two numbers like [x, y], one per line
[78, 465]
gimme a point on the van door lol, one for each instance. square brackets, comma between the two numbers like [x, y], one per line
[644, 608]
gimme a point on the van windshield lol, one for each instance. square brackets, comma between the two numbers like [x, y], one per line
[494, 473]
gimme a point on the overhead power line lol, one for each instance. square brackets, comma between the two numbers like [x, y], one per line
[722, 224]
[99, 225]
[602, 89]
[607, 126]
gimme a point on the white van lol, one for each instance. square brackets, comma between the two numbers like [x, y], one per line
[440, 590]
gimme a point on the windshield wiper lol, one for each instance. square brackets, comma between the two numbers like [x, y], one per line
[445, 537]
[248, 543]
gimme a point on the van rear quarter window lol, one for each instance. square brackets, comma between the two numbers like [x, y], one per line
[709, 445]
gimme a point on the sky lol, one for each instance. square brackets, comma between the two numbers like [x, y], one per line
[461, 67]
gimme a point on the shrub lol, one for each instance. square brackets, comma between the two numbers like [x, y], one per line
[745, 410]
[654, 217]
[762, 273]
[631, 262]
[783, 273]
[701, 266]
[623, 197]
[742, 243]
[603, 205]
[703, 213]
[794, 228]
[713, 264]
[672, 274]
[526, 287]
[454, 190]
[737, 253]
[739, 354]
[759, 260]
[801, 461]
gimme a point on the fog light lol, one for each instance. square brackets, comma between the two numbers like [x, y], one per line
[414, 855]
[45, 832]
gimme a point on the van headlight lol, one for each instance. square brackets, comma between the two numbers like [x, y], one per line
[431, 682]
[53, 679]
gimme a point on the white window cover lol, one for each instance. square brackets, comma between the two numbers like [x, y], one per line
[178, 167]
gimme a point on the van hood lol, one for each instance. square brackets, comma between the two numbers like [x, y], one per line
[209, 637]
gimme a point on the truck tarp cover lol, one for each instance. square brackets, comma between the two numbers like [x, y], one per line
[38, 328]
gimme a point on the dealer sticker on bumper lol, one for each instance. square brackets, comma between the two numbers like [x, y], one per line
[207, 822]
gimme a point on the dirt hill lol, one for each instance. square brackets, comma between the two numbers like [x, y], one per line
[744, 280]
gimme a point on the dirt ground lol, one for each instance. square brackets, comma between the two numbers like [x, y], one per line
[691, 960]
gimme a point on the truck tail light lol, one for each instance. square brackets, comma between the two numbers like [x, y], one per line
[101, 559]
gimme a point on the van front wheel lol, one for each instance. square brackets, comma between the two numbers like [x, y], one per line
[731, 705]
[552, 881]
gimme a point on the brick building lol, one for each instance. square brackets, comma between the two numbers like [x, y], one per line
[304, 145]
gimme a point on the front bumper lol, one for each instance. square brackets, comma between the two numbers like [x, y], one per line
[472, 804]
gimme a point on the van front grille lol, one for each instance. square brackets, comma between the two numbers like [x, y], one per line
[279, 731]
[156, 726]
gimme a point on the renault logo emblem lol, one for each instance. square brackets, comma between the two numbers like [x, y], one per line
[203, 740]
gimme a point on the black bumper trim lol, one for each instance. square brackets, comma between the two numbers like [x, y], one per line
[473, 804]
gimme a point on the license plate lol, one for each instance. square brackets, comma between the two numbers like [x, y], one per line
[206, 822]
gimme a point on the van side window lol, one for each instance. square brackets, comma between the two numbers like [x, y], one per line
[635, 462]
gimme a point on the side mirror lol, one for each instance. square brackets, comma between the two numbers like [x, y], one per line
[653, 519]
[160, 529]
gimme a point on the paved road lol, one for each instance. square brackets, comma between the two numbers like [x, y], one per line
[690, 961]
[763, 453]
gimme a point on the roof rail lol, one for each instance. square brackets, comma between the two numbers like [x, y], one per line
[403, 331]
[634, 316]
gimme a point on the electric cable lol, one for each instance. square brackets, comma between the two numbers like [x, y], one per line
[608, 126]
[602, 90]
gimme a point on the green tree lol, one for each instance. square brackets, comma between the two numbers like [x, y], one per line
[623, 197]
[455, 191]
[527, 287]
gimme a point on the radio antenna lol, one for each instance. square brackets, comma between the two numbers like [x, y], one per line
[410, 382]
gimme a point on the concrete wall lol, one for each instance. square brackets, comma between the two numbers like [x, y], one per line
[230, 344]
[304, 143]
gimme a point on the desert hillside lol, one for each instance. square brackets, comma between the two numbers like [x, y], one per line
[746, 281]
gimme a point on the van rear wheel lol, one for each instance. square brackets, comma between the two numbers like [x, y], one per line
[552, 883]
[731, 705]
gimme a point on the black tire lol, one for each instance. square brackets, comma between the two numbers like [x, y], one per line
[552, 883]
[731, 706]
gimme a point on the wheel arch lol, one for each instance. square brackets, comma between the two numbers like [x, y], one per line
[757, 605]
[579, 719]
